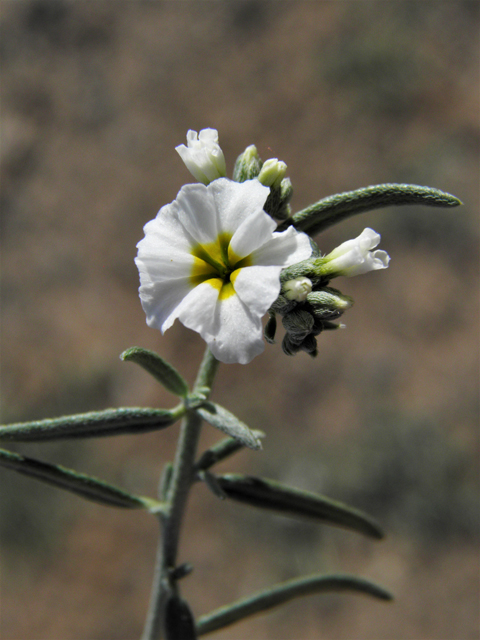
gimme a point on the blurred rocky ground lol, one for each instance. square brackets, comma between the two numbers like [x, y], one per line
[95, 96]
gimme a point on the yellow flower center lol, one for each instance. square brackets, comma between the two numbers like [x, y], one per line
[217, 264]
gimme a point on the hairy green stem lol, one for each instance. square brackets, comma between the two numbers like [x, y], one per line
[182, 478]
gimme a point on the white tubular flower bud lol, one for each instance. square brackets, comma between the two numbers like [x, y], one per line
[272, 173]
[203, 156]
[354, 257]
[297, 289]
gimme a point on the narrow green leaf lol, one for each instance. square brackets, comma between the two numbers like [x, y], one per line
[282, 593]
[222, 450]
[267, 494]
[179, 621]
[158, 368]
[85, 486]
[222, 419]
[336, 208]
[211, 481]
[109, 422]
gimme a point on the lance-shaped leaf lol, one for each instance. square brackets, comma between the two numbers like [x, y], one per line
[267, 494]
[179, 621]
[83, 485]
[210, 480]
[222, 419]
[221, 450]
[334, 209]
[109, 422]
[282, 593]
[158, 368]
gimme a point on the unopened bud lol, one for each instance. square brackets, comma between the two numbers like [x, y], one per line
[272, 173]
[309, 345]
[328, 303]
[247, 165]
[298, 323]
[297, 289]
[203, 156]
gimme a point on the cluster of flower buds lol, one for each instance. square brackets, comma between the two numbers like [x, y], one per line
[306, 302]
[270, 173]
[306, 313]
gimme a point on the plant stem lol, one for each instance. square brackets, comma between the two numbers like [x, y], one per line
[177, 495]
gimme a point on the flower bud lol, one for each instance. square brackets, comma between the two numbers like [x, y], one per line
[247, 165]
[272, 173]
[277, 202]
[354, 257]
[297, 289]
[328, 303]
[288, 346]
[203, 156]
[298, 323]
[309, 345]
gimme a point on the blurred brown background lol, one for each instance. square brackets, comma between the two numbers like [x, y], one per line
[95, 96]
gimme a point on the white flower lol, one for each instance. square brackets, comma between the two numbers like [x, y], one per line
[203, 156]
[355, 257]
[297, 289]
[212, 259]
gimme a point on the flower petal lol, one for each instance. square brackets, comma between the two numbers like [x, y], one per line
[237, 201]
[283, 249]
[257, 287]
[197, 213]
[254, 232]
[196, 310]
[237, 333]
[161, 299]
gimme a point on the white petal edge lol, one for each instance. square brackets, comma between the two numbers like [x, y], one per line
[283, 249]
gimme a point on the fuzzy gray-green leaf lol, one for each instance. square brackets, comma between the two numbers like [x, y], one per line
[109, 422]
[221, 450]
[222, 419]
[156, 366]
[282, 593]
[267, 494]
[85, 486]
[336, 208]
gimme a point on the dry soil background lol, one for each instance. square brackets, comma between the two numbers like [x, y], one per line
[95, 96]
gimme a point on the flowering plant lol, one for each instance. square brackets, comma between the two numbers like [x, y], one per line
[220, 257]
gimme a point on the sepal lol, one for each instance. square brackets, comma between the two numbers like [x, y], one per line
[156, 366]
[270, 328]
[248, 165]
[277, 204]
[270, 495]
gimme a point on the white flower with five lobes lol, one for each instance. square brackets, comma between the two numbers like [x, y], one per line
[354, 257]
[212, 259]
[203, 156]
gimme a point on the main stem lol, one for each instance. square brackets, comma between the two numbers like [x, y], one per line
[179, 486]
